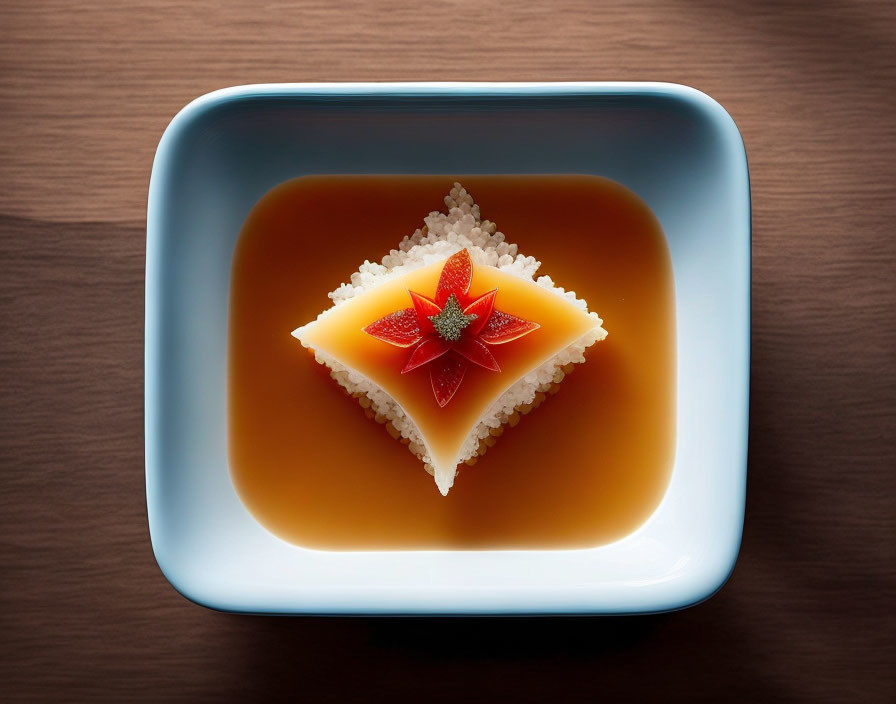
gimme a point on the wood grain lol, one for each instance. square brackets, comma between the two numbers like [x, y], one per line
[86, 89]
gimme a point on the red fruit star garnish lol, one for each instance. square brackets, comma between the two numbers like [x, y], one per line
[450, 330]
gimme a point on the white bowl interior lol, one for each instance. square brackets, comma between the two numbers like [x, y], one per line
[673, 146]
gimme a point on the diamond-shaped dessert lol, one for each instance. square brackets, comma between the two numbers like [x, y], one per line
[451, 337]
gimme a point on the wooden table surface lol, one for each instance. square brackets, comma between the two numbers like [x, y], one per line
[86, 89]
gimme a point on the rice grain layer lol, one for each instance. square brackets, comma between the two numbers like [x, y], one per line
[442, 235]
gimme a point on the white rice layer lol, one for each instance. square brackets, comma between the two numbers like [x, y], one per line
[443, 235]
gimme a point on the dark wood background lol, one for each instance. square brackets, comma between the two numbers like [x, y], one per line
[86, 89]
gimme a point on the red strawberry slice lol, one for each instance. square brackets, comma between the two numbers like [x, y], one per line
[477, 352]
[399, 328]
[449, 355]
[503, 327]
[456, 277]
[424, 308]
[432, 347]
[482, 308]
[445, 375]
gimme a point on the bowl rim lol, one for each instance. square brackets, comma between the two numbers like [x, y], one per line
[705, 584]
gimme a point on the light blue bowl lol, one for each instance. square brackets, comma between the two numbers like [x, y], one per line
[673, 146]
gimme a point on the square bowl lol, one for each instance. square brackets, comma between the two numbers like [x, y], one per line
[673, 146]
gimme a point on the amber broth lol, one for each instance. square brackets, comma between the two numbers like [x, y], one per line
[585, 468]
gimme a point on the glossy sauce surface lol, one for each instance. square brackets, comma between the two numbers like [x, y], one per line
[585, 468]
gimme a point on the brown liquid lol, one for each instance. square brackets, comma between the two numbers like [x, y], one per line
[585, 468]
